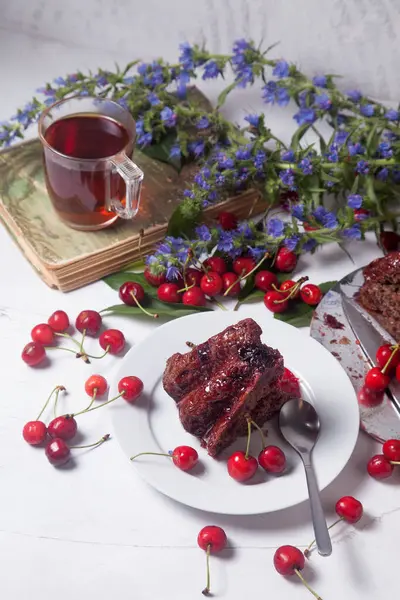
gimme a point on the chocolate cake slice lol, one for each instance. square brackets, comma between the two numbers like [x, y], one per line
[380, 293]
[222, 381]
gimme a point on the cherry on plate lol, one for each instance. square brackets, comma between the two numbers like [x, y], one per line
[130, 387]
[240, 467]
[272, 459]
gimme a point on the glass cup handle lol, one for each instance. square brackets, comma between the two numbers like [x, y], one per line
[133, 177]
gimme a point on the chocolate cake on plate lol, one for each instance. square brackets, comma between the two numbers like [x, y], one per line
[222, 381]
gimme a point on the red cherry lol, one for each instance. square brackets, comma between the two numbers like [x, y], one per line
[57, 452]
[289, 384]
[98, 383]
[185, 458]
[360, 214]
[193, 277]
[227, 220]
[112, 340]
[264, 280]
[398, 372]
[43, 334]
[311, 294]
[194, 297]
[285, 260]
[129, 291]
[231, 280]
[33, 354]
[384, 353]
[243, 265]
[34, 432]
[376, 380]
[168, 292]
[391, 450]
[390, 240]
[58, 321]
[272, 459]
[216, 264]
[64, 427]
[154, 280]
[211, 283]
[287, 559]
[287, 286]
[349, 509]
[379, 467]
[369, 398]
[212, 536]
[308, 227]
[274, 302]
[240, 467]
[88, 321]
[131, 387]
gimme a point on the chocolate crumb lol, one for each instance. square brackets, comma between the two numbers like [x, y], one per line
[332, 322]
[344, 341]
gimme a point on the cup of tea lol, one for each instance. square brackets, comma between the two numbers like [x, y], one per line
[87, 144]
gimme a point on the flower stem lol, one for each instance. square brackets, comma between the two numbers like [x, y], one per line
[308, 549]
[57, 389]
[88, 409]
[206, 590]
[304, 582]
[101, 441]
[150, 454]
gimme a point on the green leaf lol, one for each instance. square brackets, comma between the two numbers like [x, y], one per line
[294, 144]
[117, 279]
[162, 150]
[252, 297]
[299, 315]
[322, 142]
[161, 308]
[223, 95]
[325, 287]
[183, 224]
[247, 288]
[138, 265]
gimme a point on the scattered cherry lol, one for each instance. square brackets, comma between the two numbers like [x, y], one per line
[211, 284]
[57, 452]
[274, 302]
[264, 280]
[227, 220]
[243, 265]
[370, 398]
[311, 294]
[216, 264]
[183, 457]
[43, 334]
[193, 277]
[391, 450]
[272, 459]
[241, 467]
[379, 467]
[33, 354]
[58, 321]
[154, 280]
[230, 281]
[64, 427]
[129, 291]
[287, 286]
[289, 560]
[88, 321]
[386, 352]
[169, 292]
[376, 380]
[112, 341]
[349, 509]
[130, 387]
[96, 383]
[194, 297]
[211, 539]
[34, 432]
[285, 260]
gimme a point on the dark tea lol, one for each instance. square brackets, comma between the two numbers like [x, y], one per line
[81, 188]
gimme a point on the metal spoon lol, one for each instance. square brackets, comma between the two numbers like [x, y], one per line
[300, 425]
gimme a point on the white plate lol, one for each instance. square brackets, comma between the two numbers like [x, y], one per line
[152, 424]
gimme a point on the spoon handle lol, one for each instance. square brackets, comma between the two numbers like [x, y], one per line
[321, 532]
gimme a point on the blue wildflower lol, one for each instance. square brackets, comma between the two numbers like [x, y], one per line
[186, 55]
[188, 194]
[281, 69]
[212, 196]
[219, 179]
[320, 81]
[282, 96]
[287, 155]
[385, 150]
[175, 151]
[256, 253]
[305, 116]
[306, 166]
[333, 155]
[362, 167]
[197, 147]
[355, 201]
[51, 99]
[163, 248]
[60, 81]
[173, 273]
[287, 177]
[396, 175]
[392, 115]
[225, 242]
[305, 98]
[130, 79]
[145, 139]
[153, 99]
[309, 245]
[323, 101]
[356, 148]
[367, 110]
[329, 184]
[224, 162]
[259, 159]
[182, 255]
[272, 93]
[211, 70]
[182, 80]
[354, 95]
[243, 153]
[203, 123]
[328, 219]
[101, 80]
[150, 259]
[245, 230]
[353, 232]
[382, 174]
[291, 242]
[123, 102]
[168, 117]
[298, 211]
[341, 137]
[253, 120]
[201, 181]
[46, 91]
[240, 46]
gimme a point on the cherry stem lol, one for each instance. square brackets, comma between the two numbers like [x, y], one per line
[146, 312]
[395, 349]
[206, 590]
[248, 438]
[259, 430]
[82, 340]
[66, 335]
[101, 441]
[96, 357]
[188, 258]
[186, 288]
[88, 409]
[150, 454]
[293, 289]
[304, 582]
[57, 389]
[244, 275]
[394, 462]
[307, 550]
[238, 280]
[91, 402]
[190, 345]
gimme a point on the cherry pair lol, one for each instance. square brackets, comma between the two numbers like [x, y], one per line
[381, 466]
[277, 299]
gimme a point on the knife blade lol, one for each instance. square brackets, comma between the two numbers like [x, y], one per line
[366, 330]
